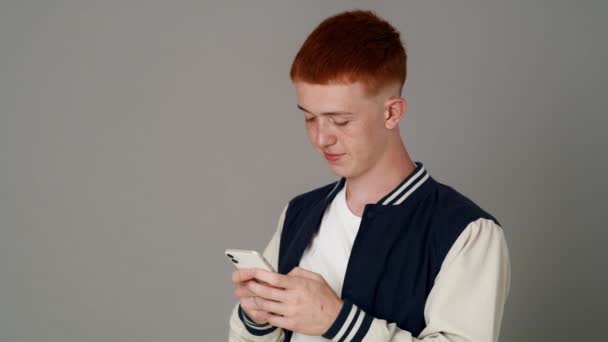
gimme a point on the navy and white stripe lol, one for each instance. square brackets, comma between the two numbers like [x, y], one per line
[407, 186]
[400, 193]
[351, 325]
[253, 327]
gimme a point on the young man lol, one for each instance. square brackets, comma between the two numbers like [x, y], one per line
[386, 253]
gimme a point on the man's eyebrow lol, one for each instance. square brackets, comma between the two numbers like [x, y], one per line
[325, 113]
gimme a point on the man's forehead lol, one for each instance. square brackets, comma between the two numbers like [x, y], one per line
[331, 89]
[328, 98]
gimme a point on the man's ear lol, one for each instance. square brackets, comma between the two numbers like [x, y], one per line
[394, 111]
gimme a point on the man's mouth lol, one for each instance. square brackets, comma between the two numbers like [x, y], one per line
[332, 157]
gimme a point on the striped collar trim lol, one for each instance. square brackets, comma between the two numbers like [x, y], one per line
[401, 192]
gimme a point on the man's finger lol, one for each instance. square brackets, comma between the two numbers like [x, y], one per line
[267, 292]
[249, 304]
[300, 272]
[271, 306]
[275, 279]
[241, 290]
[281, 322]
[258, 316]
[244, 274]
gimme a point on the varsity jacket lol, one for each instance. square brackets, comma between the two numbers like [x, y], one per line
[427, 264]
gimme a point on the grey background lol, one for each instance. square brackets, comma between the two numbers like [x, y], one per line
[139, 139]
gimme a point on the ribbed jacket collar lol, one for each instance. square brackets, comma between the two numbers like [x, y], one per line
[400, 193]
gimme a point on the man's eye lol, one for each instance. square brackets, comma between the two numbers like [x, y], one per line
[343, 123]
[309, 119]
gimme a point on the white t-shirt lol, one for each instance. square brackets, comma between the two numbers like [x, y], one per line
[329, 251]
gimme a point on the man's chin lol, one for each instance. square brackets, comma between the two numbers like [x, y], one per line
[339, 170]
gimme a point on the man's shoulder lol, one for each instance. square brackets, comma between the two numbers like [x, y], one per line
[455, 206]
[452, 213]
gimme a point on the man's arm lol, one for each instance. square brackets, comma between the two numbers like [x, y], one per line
[243, 328]
[465, 304]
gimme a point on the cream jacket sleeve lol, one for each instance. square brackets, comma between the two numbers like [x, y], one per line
[242, 329]
[466, 302]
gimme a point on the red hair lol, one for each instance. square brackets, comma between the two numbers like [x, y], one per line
[352, 46]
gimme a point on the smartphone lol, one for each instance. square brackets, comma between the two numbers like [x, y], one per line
[248, 259]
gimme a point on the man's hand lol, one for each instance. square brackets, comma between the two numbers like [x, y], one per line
[300, 301]
[248, 300]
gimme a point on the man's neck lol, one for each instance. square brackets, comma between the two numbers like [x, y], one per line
[378, 181]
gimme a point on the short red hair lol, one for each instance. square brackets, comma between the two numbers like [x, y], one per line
[352, 46]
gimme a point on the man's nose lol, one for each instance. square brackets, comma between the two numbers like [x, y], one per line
[325, 137]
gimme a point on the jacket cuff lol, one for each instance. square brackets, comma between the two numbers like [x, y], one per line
[253, 327]
[352, 323]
